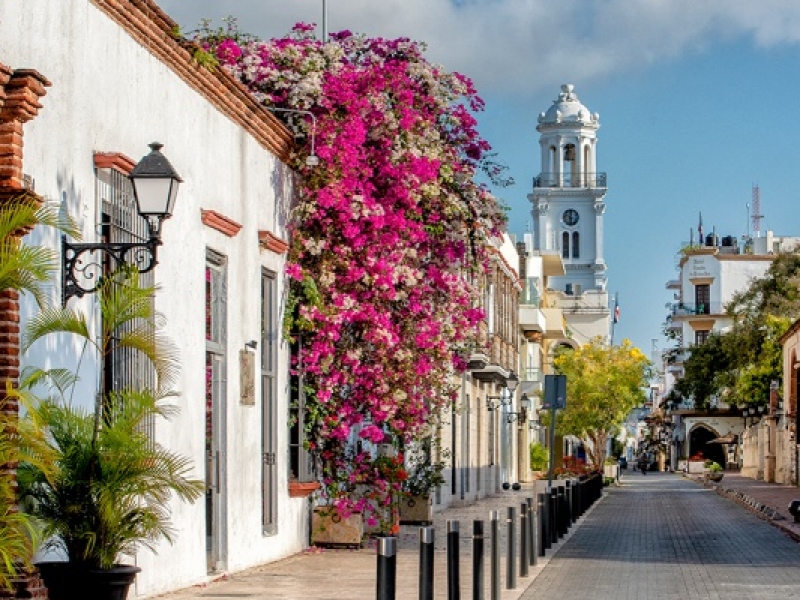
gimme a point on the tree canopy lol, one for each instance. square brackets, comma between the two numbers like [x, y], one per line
[603, 385]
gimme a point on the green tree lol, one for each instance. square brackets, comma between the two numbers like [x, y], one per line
[603, 385]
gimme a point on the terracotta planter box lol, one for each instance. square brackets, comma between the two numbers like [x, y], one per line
[299, 489]
[416, 510]
[331, 530]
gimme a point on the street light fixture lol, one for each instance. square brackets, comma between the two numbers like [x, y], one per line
[312, 160]
[155, 187]
[524, 404]
[511, 383]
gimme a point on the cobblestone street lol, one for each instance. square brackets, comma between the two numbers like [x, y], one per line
[661, 536]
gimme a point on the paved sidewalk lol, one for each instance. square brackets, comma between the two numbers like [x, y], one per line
[330, 574]
[770, 501]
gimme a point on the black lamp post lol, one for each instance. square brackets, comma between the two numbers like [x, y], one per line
[155, 187]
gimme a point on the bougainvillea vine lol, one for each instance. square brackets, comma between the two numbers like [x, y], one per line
[387, 240]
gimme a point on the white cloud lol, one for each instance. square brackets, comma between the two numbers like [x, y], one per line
[525, 46]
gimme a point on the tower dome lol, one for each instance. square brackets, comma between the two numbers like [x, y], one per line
[568, 109]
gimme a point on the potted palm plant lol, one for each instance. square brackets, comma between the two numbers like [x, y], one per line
[108, 491]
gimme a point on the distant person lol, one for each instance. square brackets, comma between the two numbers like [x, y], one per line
[644, 463]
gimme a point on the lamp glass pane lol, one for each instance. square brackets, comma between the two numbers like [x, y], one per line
[152, 195]
[173, 193]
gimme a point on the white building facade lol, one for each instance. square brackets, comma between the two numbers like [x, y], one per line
[568, 201]
[479, 435]
[118, 80]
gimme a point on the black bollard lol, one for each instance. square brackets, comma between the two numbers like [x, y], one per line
[533, 549]
[544, 518]
[562, 513]
[523, 540]
[553, 517]
[387, 568]
[477, 560]
[576, 501]
[494, 516]
[511, 555]
[536, 549]
[426, 568]
[568, 505]
[453, 579]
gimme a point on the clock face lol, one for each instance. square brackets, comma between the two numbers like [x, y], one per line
[570, 217]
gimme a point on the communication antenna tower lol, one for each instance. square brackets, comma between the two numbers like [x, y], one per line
[756, 216]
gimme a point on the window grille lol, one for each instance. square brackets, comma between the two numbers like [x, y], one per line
[124, 368]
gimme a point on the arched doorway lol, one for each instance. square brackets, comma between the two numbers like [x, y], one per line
[698, 443]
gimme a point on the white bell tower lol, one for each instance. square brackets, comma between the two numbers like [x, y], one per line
[568, 201]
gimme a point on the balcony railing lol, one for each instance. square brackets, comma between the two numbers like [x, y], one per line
[681, 309]
[588, 180]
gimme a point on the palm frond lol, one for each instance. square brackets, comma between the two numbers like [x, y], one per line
[22, 267]
[56, 320]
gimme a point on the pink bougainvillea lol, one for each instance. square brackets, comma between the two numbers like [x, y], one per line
[387, 238]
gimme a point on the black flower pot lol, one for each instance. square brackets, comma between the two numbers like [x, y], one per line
[67, 581]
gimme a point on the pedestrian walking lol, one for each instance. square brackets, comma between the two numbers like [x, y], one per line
[644, 463]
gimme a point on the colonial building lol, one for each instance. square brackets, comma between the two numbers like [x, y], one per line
[117, 79]
[711, 273]
[568, 201]
[479, 434]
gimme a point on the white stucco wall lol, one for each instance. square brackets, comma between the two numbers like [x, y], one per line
[737, 275]
[109, 94]
[726, 275]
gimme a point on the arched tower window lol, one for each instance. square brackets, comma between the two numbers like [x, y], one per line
[576, 245]
[552, 166]
[565, 245]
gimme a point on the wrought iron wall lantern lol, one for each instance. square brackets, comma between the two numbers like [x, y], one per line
[511, 383]
[522, 414]
[155, 187]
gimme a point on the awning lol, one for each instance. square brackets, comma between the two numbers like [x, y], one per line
[730, 438]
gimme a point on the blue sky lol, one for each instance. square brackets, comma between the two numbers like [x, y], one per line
[698, 102]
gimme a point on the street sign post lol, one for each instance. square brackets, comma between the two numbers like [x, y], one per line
[555, 397]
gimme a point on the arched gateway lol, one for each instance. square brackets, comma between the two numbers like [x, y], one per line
[699, 437]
